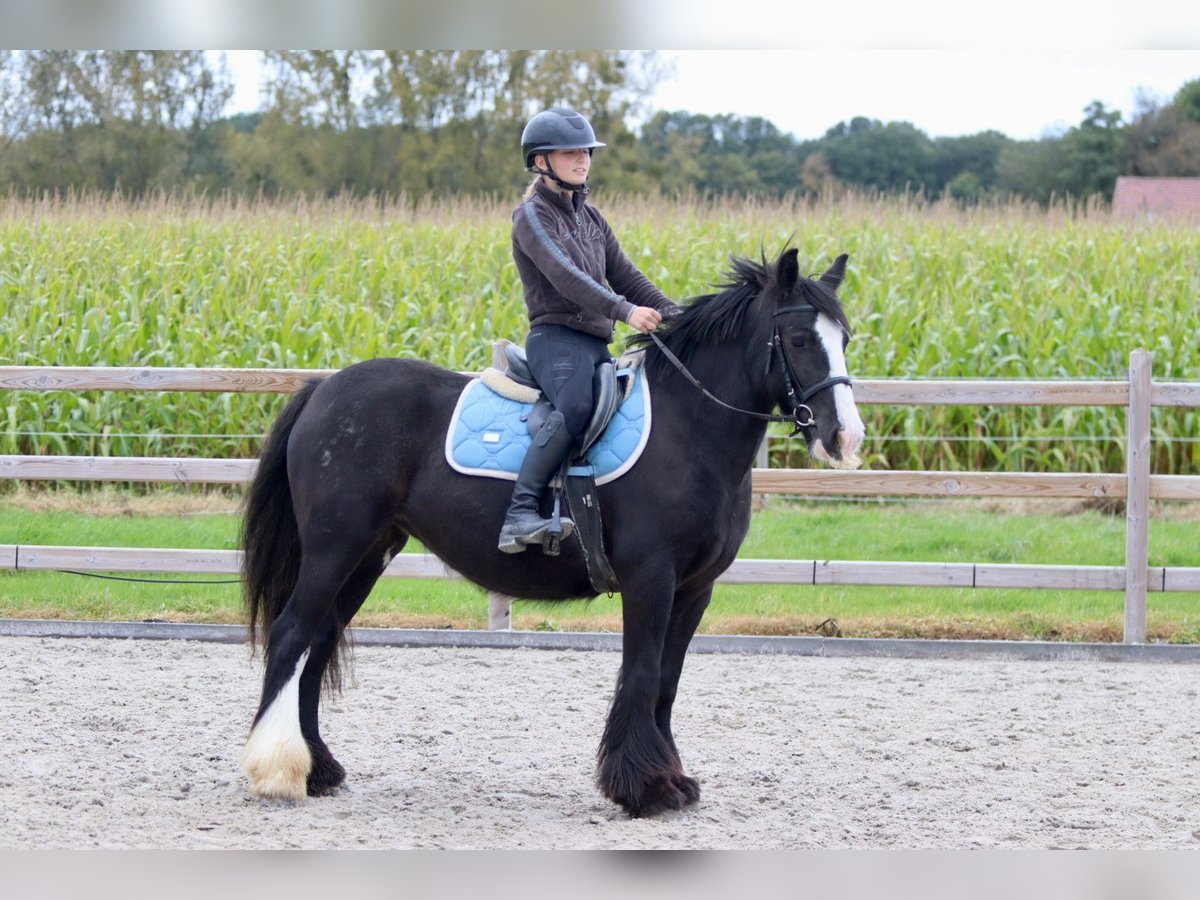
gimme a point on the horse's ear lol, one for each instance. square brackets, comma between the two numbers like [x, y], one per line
[789, 269]
[836, 272]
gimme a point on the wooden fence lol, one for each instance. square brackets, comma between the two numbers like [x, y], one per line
[1136, 486]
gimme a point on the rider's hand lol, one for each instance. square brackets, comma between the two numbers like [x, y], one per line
[645, 319]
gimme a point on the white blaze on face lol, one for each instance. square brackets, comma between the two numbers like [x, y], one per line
[852, 431]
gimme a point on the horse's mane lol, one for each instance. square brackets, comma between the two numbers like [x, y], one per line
[720, 317]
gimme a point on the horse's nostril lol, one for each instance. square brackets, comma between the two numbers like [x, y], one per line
[849, 440]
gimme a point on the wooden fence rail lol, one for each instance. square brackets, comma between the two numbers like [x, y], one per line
[43, 557]
[934, 392]
[792, 482]
[1137, 486]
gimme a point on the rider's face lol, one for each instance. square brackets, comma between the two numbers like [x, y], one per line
[572, 166]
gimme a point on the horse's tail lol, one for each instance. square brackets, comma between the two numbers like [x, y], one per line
[270, 539]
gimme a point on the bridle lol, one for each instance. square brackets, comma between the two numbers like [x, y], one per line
[791, 381]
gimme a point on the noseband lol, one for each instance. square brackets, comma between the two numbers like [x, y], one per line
[798, 400]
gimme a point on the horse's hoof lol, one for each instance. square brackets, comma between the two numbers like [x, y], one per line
[689, 787]
[659, 796]
[324, 790]
[278, 770]
[277, 784]
[327, 774]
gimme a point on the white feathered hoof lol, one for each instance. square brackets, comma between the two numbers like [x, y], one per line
[276, 757]
[277, 771]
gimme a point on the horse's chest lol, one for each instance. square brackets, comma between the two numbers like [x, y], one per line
[715, 523]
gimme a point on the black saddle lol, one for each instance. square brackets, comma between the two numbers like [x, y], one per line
[518, 366]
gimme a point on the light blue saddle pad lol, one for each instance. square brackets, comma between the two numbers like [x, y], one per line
[488, 435]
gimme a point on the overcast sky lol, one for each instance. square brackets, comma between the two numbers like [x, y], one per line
[1022, 93]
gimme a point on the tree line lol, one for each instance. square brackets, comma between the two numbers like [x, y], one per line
[424, 122]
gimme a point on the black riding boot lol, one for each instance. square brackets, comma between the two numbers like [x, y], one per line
[522, 524]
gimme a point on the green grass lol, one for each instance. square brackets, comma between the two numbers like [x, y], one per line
[933, 532]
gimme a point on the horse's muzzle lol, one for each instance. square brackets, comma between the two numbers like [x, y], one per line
[844, 455]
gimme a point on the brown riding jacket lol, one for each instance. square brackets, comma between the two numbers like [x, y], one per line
[572, 267]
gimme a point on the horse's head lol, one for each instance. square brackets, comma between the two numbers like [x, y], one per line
[808, 374]
[799, 322]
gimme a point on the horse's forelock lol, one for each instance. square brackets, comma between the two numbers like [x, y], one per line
[825, 299]
[811, 290]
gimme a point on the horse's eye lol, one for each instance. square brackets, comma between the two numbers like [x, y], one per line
[800, 341]
[845, 341]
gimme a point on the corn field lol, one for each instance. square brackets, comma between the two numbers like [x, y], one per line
[933, 291]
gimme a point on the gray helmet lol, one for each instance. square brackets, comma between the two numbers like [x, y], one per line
[557, 129]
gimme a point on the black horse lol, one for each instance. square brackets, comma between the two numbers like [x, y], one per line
[354, 465]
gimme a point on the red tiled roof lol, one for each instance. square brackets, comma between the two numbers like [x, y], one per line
[1152, 198]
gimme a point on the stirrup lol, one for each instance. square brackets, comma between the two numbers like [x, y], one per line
[516, 543]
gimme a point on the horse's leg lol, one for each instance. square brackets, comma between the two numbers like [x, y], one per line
[637, 767]
[327, 774]
[276, 757]
[685, 618]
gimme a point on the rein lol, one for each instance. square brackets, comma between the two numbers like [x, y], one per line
[798, 401]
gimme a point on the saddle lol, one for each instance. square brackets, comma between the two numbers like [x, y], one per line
[610, 388]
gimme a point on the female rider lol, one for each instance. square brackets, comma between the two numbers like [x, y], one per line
[577, 283]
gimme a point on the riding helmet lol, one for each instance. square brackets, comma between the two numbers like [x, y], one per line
[557, 129]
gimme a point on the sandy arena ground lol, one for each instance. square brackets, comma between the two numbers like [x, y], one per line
[113, 743]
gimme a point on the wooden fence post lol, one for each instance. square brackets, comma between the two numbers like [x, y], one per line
[762, 460]
[1137, 499]
[499, 612]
